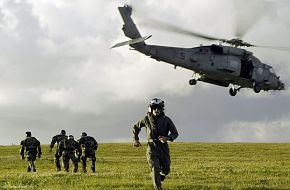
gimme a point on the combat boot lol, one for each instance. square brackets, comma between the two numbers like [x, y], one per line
[93, 169]
[32, 166]
[58, 167]
[76, 168]
[28, 169]
[162, 176]
[84, 169]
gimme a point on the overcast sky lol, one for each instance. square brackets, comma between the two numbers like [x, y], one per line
[57, 71]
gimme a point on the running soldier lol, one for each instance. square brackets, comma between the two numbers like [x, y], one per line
[89, 146]
[158, 127]
[31, 146]
[69, 149]
[57, 139]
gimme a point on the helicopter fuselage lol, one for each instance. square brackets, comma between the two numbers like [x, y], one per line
[220, 65]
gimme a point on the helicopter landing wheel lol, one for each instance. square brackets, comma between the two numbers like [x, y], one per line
[257, 88]
[233, 92]
[192, 82]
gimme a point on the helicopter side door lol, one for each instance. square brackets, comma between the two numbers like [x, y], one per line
[233, 65]
[228, 65]
[226, 62]
[246, 68]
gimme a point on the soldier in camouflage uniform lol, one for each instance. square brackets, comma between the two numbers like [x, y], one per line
[70, 150]
[31, 146]
[89, 146]
[56, 139]
[159, 129]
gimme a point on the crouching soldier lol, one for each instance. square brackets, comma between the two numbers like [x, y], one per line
[89, 146]
[31, 146]
[70, 149]
[57, 139]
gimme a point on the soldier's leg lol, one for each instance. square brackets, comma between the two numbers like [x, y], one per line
[33, 166]
[33, 162]
[75, 162]
[93, 166]
[84, 162]
[29, 167]
[29, 159]
[165, 165]
[65, 159]
[154, 164]
[57, 160]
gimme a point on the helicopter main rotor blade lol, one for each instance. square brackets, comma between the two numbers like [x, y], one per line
[273, 47]
[247, 17]
[172, 28]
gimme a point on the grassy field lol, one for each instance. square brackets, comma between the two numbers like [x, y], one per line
[250, 166]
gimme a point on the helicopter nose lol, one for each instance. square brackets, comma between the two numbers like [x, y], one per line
[281, 86]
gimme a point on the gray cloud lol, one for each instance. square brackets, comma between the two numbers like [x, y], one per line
[57, 72]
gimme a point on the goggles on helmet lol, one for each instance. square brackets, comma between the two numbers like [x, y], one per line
[156, 104]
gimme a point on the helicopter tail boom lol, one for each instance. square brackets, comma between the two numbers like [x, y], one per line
[131, 31]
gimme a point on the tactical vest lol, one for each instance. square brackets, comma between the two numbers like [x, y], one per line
[69, 145]
[31, 143]
[88, 142]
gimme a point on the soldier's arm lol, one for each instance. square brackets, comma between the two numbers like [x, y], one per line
[80, 141]
[96, 144]
[53, 141]
[137, 128]
[79, 149]
[39, 149]
[22, 144]
[173, 131]
[60, 148]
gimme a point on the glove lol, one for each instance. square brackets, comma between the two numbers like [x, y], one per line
[163, 139]
[136, 143]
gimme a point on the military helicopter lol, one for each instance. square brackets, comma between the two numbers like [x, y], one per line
[215, 64]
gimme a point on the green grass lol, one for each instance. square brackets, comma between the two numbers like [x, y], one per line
[250, 166]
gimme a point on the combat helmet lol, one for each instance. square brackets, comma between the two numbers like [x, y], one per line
[71, 137]
[156, 103]
[84, 134]
[62, 132]
[28, 134]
